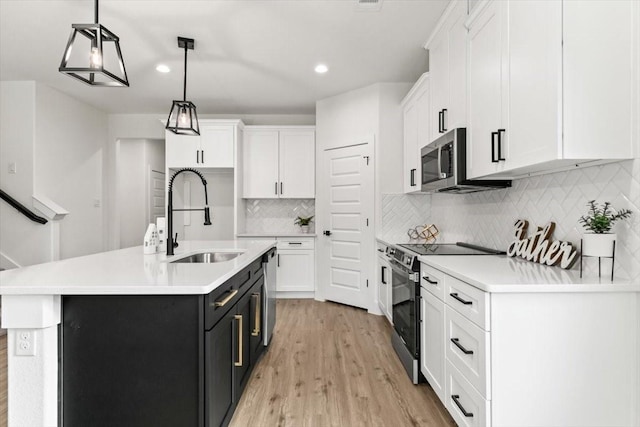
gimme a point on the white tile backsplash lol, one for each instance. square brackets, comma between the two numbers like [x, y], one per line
[277, 215]
[401, 212]
[487, 218]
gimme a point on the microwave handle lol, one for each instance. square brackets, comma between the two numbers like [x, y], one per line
[441, 175]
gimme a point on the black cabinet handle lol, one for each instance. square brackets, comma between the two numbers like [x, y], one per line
[462, 349]
[281, 188]
[429, 280]
[457, 298]
[202, 156]
[276, 188]
[412, 177]
[295, 243]
[278, 260]
[500, 144]
[384, 281]
[493, 147]
[444, 129]
[440, 117]
[455, 398]
[197, 156]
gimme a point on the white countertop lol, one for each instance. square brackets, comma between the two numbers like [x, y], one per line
[499, 273]
[130, 272]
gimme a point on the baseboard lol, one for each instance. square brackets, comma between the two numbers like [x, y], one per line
[295, 295]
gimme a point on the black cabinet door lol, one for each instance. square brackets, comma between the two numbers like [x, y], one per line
[257, 321]
[219, 355]
[242, 361]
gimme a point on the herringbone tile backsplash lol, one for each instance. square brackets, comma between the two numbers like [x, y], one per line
[487, 218]
[400, 212]
[277, 215]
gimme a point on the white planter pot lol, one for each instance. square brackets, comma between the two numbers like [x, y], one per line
[600, 245]
[304, 228]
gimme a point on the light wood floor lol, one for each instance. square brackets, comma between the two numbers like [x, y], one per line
[327, 365]
[333, 365]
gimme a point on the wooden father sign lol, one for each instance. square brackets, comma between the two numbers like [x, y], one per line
[539, 248]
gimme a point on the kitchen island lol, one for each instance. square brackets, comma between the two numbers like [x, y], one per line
[92, 300]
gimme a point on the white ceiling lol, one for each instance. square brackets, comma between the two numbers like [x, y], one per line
[251, 56]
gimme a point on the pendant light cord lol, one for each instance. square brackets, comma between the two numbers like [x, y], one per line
[184, 97]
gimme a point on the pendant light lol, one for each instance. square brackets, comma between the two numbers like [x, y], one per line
[91, 68]
[183, 119]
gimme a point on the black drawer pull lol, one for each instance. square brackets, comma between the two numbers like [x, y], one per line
[457, 298]
[493, 148]
[464, 350]
[295, 243]
[433, 282]
[383, 278]
[455, 398]
[444, 128]
[500, 144]
[440, 121]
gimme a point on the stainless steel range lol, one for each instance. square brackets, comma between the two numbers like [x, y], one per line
[405, 269]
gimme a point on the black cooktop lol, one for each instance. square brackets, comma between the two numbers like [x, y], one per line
[459, 248]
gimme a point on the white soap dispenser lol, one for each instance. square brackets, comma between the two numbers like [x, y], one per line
[161, 224]
[150, 244]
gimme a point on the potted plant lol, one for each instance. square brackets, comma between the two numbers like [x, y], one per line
[303, 222]
[598, 241]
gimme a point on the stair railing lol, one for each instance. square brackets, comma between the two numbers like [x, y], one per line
[22, 208]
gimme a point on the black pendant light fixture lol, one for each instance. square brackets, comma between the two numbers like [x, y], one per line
[90, 69]
[183, 119]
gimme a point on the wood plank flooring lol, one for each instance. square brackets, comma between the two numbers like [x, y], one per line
[333, 365]
[327, 365]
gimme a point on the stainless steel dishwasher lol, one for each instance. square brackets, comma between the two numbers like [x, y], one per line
[269, 266]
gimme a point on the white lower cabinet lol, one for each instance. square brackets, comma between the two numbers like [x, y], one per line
[508, 359]
[295, 266]
[467, 407]
[384, 285]
[432, 359]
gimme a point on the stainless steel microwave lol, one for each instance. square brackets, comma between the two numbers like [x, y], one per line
[444, 166]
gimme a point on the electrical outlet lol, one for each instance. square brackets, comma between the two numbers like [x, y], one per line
[12, 167]
[26, 342]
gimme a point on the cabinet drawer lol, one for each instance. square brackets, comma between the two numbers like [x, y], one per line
[464, 403]
[295, 243]
[471, 302]
[467, 348]
[432, 280]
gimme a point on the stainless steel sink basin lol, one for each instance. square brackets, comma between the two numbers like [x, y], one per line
[209, 257]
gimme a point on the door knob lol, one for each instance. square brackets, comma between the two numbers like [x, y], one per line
[327, 232]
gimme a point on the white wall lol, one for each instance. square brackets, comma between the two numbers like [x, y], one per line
[69, 165]
[136, 158]
[58, 144]
[20, 238]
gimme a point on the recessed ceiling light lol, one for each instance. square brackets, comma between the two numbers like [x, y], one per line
[163, 68]
[321, 69]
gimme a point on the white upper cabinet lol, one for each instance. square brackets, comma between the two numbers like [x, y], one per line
[447, 48]
[213, 148]
[417, 132]
[551, 84]
[279, 162]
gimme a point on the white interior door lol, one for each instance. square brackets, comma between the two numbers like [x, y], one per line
[345, 199]
[156, 195]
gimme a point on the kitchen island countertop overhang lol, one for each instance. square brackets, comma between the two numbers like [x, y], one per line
[130, 272]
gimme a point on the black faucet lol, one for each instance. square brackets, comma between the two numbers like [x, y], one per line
[171, 243]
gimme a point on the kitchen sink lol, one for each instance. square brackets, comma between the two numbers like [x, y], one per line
[209, 257]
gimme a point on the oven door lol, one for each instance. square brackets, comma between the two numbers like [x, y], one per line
[404, 301]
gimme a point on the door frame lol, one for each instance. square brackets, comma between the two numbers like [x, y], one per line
[322, 223]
